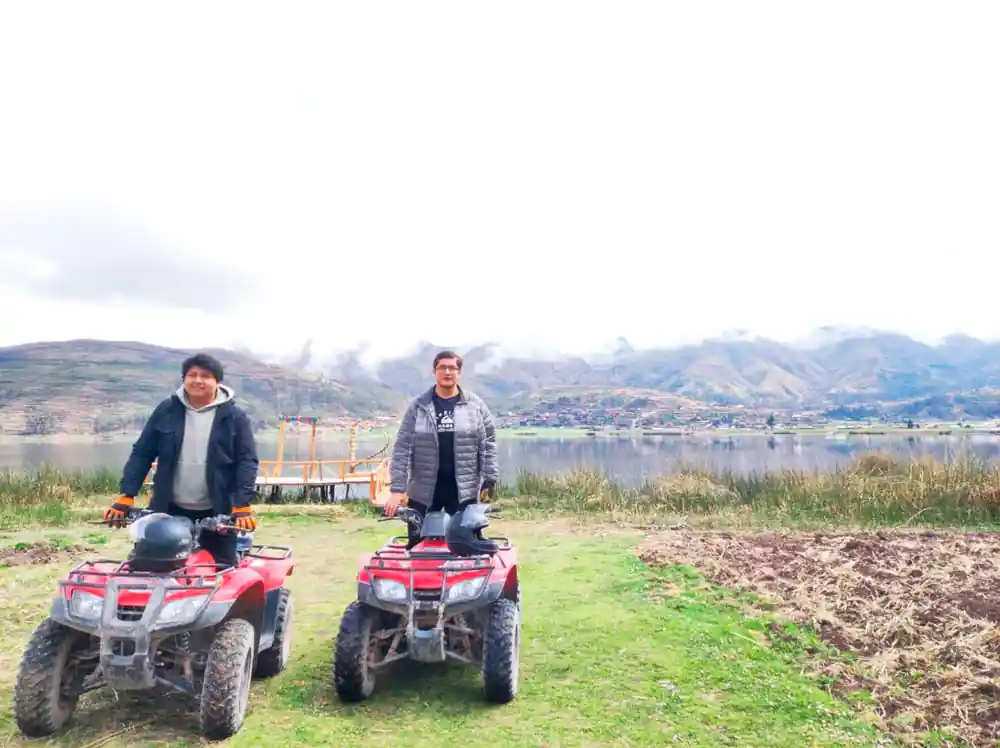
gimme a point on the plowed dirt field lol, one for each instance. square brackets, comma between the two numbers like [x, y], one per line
[919, 609]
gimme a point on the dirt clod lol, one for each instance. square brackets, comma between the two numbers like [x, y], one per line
[920, 610]
[36, 553]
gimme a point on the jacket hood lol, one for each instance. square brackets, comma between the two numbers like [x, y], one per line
[224, 395]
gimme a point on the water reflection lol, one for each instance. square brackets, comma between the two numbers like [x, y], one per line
[631, 459]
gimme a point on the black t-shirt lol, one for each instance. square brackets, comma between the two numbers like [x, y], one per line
[446, 491]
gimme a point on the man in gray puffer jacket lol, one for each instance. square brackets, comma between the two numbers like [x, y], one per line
[445, 453]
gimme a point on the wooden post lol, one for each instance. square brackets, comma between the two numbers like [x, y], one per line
[281, 447]
[312, 450]
[353, 454]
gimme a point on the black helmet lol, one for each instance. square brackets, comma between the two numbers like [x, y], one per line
[161, 543]
[465, 531]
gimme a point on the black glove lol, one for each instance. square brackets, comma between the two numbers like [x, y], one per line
[487, 492]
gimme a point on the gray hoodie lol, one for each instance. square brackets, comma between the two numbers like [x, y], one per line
[190, 481]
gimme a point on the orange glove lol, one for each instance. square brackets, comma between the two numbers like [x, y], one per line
[118, 511]
[487, 492]
[243, 518]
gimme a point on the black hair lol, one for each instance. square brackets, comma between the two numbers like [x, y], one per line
[203, 361]
[448, 354]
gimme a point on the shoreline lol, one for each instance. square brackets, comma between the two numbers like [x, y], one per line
[549, 433]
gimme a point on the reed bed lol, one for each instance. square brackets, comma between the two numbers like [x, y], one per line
[875, 490]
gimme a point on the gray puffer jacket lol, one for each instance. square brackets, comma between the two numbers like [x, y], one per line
[415, 453]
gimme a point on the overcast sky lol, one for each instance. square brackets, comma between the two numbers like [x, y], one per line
[392, 172]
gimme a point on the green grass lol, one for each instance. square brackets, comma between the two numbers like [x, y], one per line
[613, 654]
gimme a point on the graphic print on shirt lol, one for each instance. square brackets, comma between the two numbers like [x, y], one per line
[446, 419]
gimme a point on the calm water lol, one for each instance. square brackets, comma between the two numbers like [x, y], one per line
[630, 460]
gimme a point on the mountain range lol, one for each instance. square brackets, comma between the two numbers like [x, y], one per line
[866, 370]
[94, 387]
[87, 386]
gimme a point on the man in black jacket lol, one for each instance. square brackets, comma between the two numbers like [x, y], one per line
[206, 457]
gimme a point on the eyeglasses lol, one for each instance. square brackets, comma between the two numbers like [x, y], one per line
[448, 368]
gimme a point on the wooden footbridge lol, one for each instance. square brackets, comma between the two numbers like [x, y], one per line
[319, 478]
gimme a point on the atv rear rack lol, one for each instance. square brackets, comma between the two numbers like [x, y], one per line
[257, 551]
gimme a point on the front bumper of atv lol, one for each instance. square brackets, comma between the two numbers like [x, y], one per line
[427, 643]
[130, 636]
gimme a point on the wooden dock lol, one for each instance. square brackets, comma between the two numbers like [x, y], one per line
[317, 478]
[323, 477]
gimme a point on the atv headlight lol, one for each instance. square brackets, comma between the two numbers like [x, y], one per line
[389, 590]
[181, 611]
[467, 589]
[86, 604]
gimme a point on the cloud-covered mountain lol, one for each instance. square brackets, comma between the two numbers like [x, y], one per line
[833, 368]
[91, 386]
[85, 386]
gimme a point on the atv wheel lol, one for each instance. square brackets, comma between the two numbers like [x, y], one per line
[272, 661]
[43, 701]
[351, 676]
[225, 691]
[501, 651]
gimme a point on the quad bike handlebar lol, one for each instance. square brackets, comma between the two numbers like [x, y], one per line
[404, 514]
[413, 517]
[221, 523]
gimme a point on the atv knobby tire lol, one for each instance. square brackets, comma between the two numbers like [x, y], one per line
[40, 706]
[501, 651]
[273, 660]
[225, 691]
[352, 678]
[517, 594]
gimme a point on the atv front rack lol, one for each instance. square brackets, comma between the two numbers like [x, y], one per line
[141, 579]
[121, 579]
[401, 541]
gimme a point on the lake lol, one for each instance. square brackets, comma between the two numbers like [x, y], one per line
[629, 459]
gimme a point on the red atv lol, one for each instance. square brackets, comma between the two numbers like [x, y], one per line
[167, 616]
[454, 596]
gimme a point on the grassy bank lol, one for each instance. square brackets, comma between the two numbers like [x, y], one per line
[877, 490]
[49, 496]
[602, 663]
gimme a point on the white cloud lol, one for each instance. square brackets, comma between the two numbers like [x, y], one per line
[393, 173]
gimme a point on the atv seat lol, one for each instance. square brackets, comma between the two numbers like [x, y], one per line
[435, 524]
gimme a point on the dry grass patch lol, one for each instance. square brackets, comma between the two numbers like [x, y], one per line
[918, 609]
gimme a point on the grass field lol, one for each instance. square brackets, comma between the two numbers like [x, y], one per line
[696, 610]
[605, 659]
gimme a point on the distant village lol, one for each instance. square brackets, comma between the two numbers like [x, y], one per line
[641, 413]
